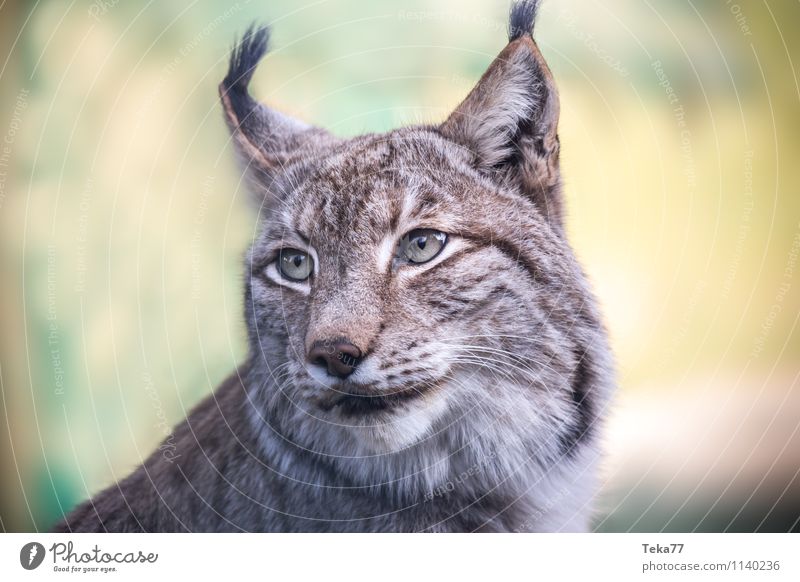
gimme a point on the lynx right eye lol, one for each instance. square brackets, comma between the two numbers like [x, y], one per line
[295, 265]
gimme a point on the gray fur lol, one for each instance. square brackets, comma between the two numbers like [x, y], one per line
[478, 403]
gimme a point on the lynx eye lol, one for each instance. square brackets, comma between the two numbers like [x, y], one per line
[421, 245]
[295, 265]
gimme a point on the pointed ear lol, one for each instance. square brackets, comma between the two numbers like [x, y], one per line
[509, 121]
[266, 140]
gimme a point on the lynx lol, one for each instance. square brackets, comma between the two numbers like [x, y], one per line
[425, 353]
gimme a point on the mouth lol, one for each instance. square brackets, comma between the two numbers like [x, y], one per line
[356, 403]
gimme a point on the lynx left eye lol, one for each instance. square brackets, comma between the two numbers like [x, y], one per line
[422, 245]
[295, 265]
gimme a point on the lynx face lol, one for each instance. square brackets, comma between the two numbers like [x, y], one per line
[416, 291]
[415, 288]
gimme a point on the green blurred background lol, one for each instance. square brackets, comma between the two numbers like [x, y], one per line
[123, 223]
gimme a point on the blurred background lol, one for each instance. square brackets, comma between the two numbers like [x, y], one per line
[123, 223]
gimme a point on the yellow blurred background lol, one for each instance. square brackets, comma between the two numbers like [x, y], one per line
[123, 222]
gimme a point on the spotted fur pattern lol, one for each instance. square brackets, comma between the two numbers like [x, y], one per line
[479, 398]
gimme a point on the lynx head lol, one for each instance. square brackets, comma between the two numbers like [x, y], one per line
[416, 286]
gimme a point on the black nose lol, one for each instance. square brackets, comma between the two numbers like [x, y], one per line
[339, 357]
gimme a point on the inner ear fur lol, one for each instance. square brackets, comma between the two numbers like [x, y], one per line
[509, 123]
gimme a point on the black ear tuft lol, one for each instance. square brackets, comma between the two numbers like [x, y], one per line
[266, 140]
[245, 57]
[522, 18]
[509, 121]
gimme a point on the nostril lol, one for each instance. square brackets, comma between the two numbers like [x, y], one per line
[339, 357]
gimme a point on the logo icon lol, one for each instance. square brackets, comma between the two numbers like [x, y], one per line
[31, 555]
